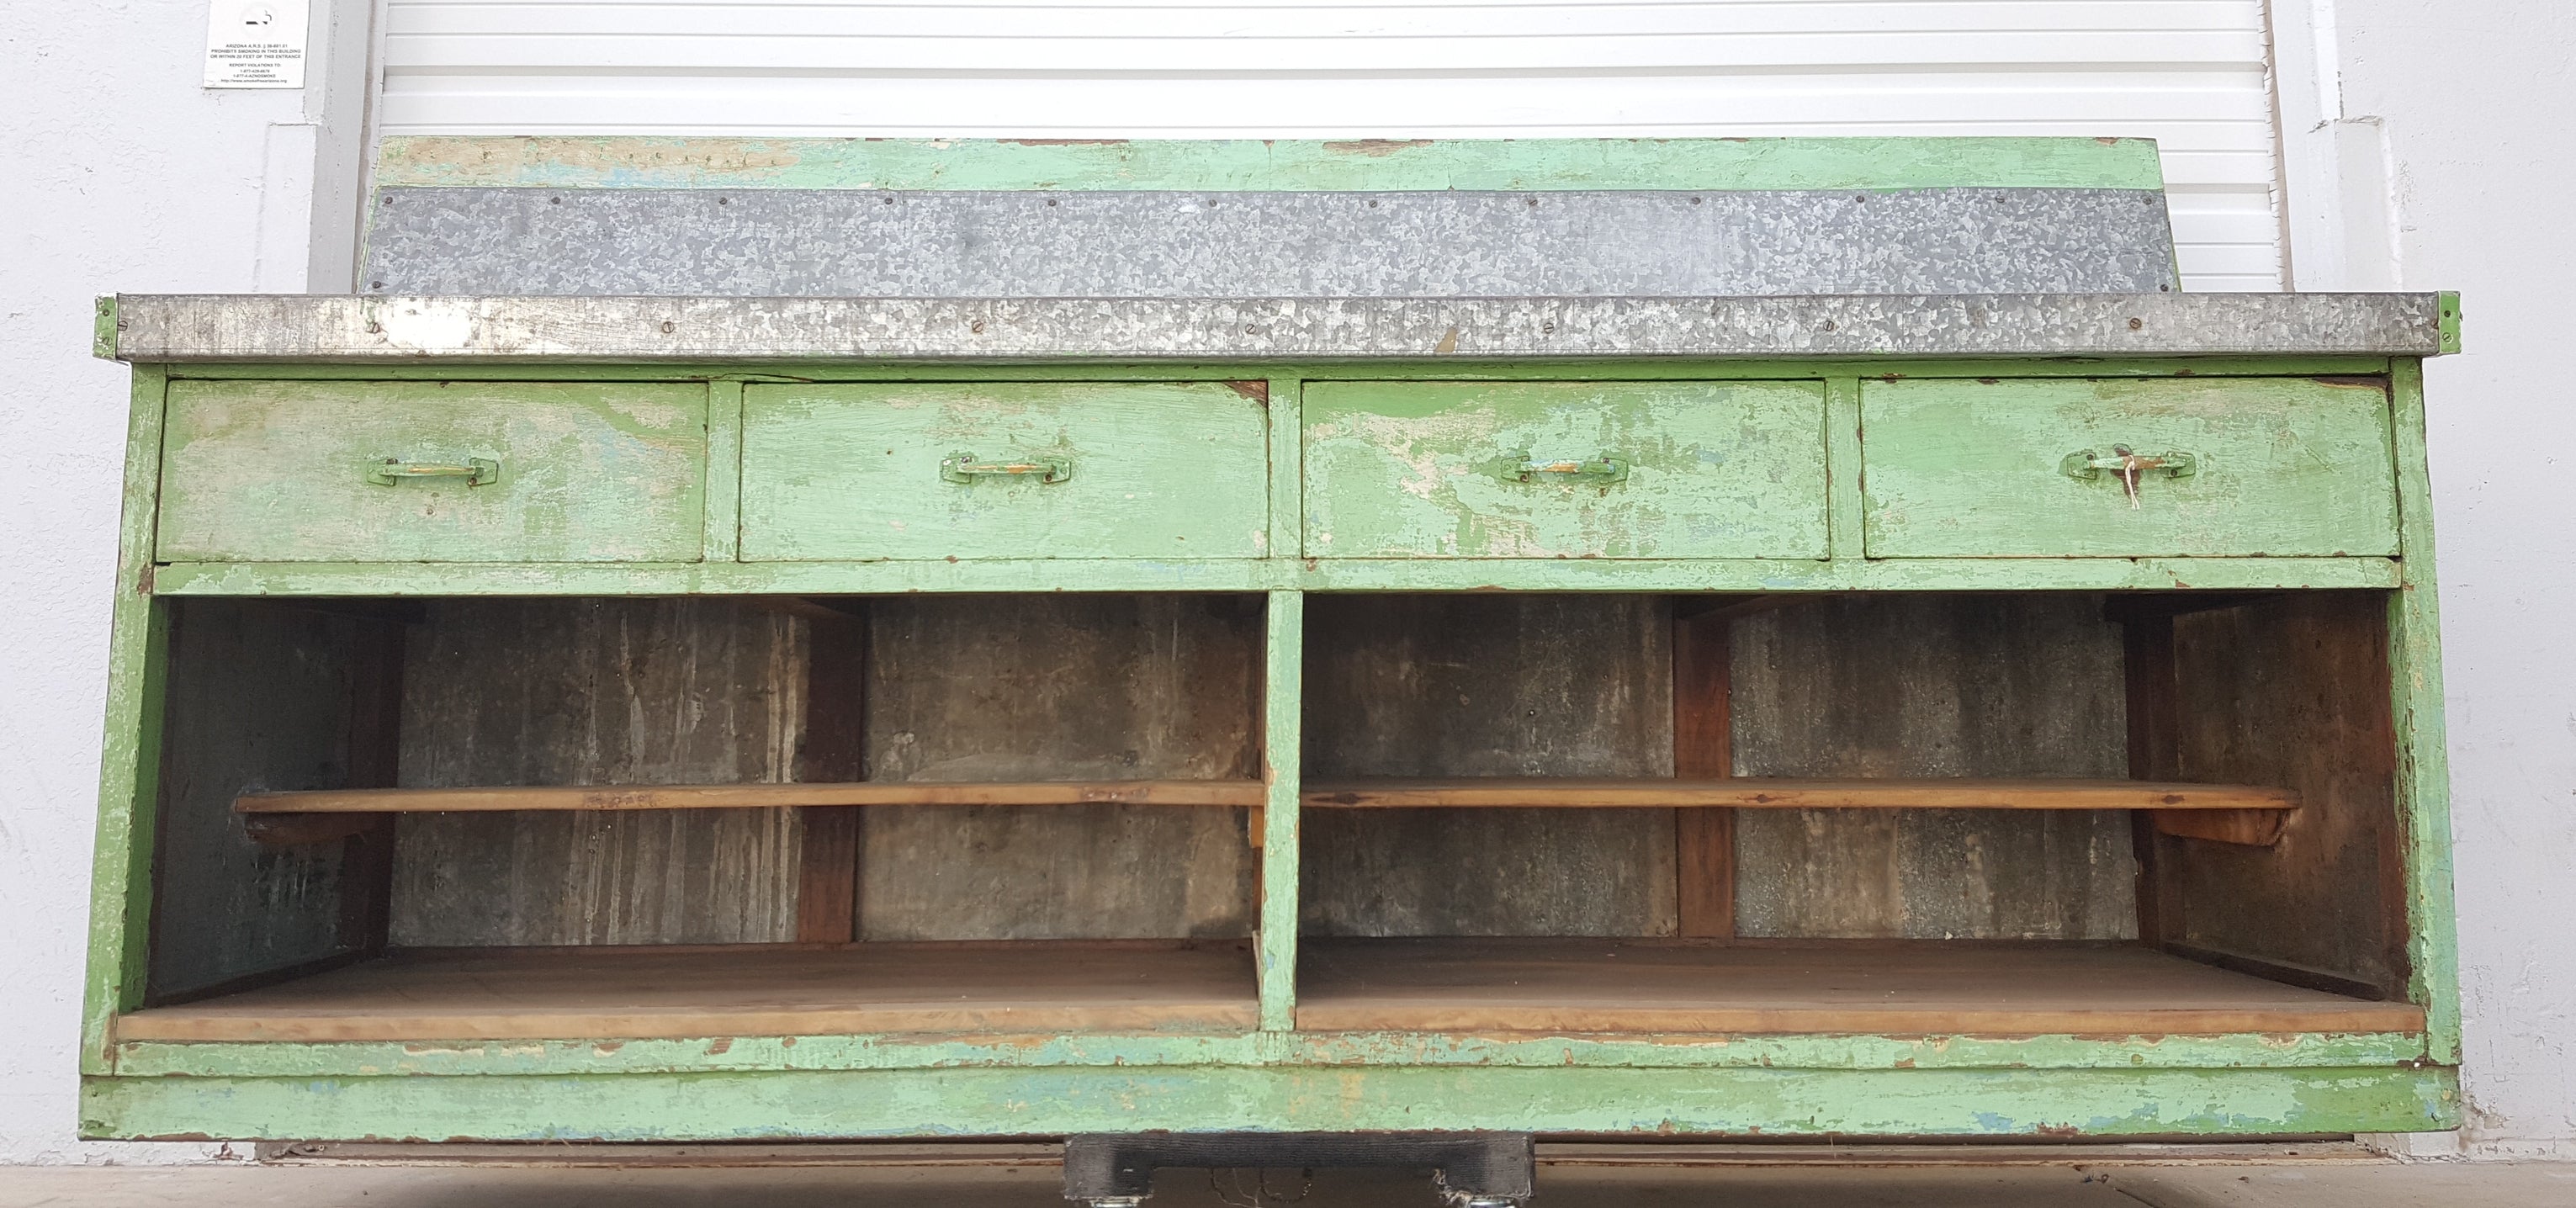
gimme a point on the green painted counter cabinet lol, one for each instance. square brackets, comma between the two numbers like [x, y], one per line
[771, 717]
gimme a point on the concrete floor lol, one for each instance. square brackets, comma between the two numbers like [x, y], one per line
[2330, 1176]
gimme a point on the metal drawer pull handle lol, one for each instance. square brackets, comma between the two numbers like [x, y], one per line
[1600, 471]
[2127, 466]
[963, 467]
[477, 471]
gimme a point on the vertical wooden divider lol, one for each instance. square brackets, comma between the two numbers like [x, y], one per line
[723, 538]
[375, 745]
[1282, 711]
[121, 890]
[1282, 722]
[1703, 749]
[2428, 911]
[169, 634]
[2155, 752]
[834, 749]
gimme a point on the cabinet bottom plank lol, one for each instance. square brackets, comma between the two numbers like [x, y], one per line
[673, 991]
[1890, 987]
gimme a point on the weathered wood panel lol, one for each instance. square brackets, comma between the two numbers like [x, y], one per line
[1703, 746]
[659, 991]
[2154, 720]
[1894, 987]
[375, 758]
[2279, 466]
[1059, 687]
[1565, 469]
[259, 697]
[2293, 691]
[1488, 686]
[292, 809]
[834, 749]
[2173, 799]
[676, 691]
[576, 472]
[1932, 685]
[1004, 470]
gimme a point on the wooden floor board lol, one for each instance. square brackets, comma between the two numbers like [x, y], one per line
[756, 990]
[1883, 987]
[1429, 985]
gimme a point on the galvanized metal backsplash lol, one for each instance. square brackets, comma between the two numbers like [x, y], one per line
[1279, 244]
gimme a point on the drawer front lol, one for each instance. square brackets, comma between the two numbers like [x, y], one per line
[2286, 467]
[1565, 470]
[1004, 470]
[257, 471]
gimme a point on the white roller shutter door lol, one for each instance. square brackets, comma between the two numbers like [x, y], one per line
[2189, 73]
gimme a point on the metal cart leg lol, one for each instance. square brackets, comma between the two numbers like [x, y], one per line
[1469, 1170]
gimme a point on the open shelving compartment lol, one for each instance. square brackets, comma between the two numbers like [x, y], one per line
[1890, 813]
[1887, 813]
[498, 818]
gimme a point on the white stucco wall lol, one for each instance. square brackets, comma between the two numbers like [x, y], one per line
[2473, 101]
[117, 173]
[2424, 151]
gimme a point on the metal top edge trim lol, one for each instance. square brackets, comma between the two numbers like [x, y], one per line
[176, 328]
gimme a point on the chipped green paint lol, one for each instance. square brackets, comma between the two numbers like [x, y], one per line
[276, 471]
[723, 540]
[1285, 399]
[1282, 745]
[1842, 468]
[350, 1059]
[833, 1086]
[1473, 470]
[1020, 1102]
[755, 578]
[120, 910]
[2449, 301]
[2423, 756]
[1374, 165]
[103, 330]
[1154, 470]
[1850, 574]
[2282, 467]
[1274, 574]
[1604, 370]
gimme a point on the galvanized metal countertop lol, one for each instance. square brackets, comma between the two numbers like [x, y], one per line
[155, 328]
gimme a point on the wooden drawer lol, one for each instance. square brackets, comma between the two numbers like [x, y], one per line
[260, 471]
[1565, 470]
[1004, 470]
[2251, 466]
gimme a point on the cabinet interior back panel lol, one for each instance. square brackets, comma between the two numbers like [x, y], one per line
[1932, 685]
[618, 691]
[1059, 687]
[258, 697]
[1488, 685]
[2294, 691]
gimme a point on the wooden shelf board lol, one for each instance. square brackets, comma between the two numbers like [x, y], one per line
[1003, 988]
[1909, 988]
[754, 796]
[1768, 793]
[1503, 792]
